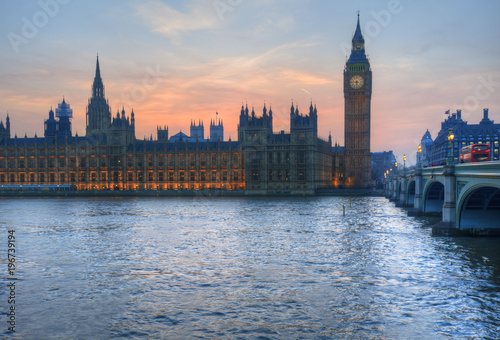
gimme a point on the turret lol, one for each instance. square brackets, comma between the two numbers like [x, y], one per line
[303, 122]
[7, 124]
[5, 130]
[50, 125]
[162, 133]
[486, 119]
[243, 117]
[197, 131]
[64, 113]
[216, 130]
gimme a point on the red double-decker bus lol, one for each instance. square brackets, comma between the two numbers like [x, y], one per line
[475, 153]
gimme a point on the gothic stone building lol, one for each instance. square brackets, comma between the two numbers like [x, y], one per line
[297, 162]
[109, 157]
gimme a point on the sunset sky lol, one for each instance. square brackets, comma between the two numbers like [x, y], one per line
[173, 61]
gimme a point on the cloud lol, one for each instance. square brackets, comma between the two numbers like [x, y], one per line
[172, 23]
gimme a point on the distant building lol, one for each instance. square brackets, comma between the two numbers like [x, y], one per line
[435, 152]
[381, 162]
[338, 158]
[425, 144]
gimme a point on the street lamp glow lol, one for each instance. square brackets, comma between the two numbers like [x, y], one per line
[451, 137]
[419, 163]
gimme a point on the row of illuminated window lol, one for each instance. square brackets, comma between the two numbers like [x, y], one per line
[471, 137]
[38, 178]
[84, 161]
[116, 176]
[463, 144]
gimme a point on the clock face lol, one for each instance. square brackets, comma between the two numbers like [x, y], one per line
[356, 82]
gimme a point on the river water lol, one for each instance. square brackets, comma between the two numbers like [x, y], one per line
[243, 268]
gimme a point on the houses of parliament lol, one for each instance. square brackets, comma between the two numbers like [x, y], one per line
[260, 162]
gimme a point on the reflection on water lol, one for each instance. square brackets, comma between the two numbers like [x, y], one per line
[245, 268]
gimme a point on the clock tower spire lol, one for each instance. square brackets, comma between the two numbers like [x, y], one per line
[357, 112]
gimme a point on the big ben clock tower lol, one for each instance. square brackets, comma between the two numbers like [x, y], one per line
[357, 94]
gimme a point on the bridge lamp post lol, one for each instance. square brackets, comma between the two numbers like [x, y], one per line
[451, 137]
[404, 164]
[419, 165]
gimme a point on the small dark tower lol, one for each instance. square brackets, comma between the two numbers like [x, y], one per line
[304, 128]
[253, 129]
[7, 124]
[197, 131]
[64, 113]
[486, 119]
[216, 130]
[50, 125]
[122, 129]
[5, 130]
[162, 133]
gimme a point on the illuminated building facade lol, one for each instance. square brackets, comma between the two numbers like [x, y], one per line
[297, 162]
[109, 157]
[435, 152]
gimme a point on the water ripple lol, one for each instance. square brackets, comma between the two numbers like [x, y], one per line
[246, 268]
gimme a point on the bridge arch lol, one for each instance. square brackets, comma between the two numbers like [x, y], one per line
[433, 197]
[479, 207]
[410, 192]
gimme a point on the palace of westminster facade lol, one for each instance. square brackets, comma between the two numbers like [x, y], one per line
[109, 157]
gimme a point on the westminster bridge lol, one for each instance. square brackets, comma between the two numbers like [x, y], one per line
[466, 195]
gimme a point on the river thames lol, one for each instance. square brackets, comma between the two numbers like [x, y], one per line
[243, 268]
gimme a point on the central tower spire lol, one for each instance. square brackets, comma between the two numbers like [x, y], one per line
[98, 112]
[97, 86]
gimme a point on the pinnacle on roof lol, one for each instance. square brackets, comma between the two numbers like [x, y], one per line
[97, 70]
[97, 86]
